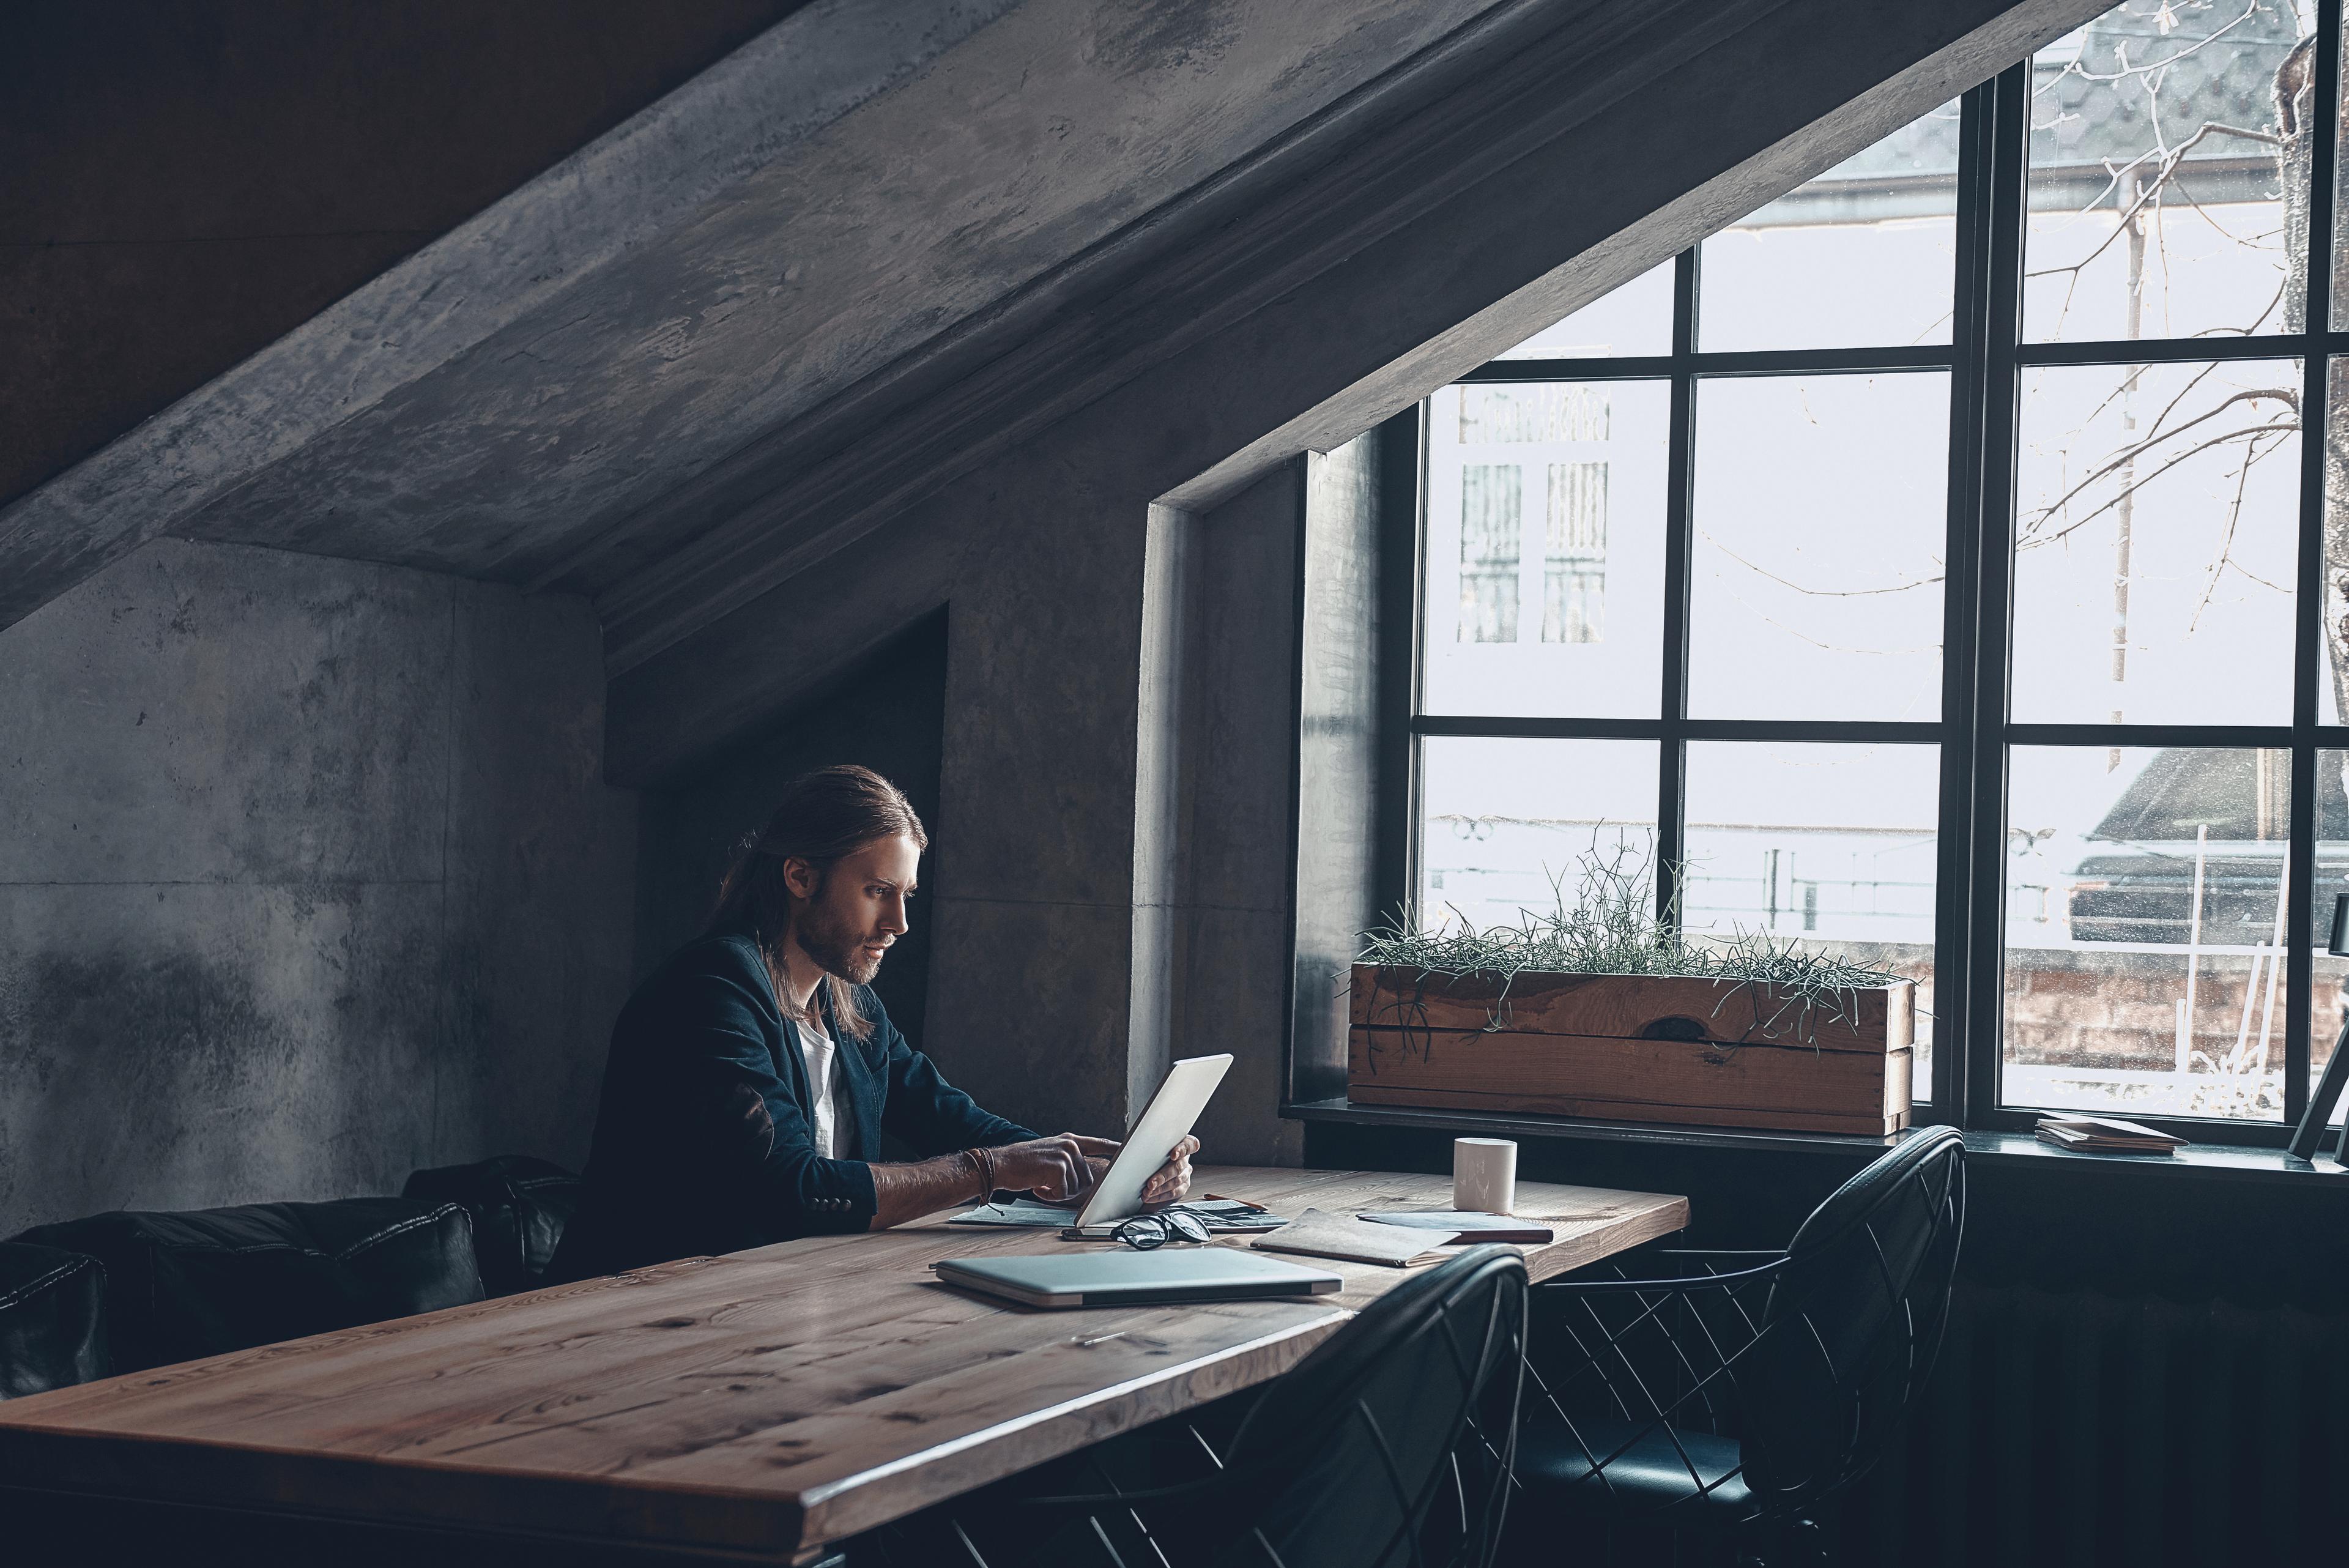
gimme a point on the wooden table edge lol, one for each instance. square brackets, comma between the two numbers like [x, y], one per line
[762, 1523]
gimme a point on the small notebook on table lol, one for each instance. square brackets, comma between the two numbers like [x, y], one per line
[1318, 1234]
[1120, 1277]
[1470, 1225]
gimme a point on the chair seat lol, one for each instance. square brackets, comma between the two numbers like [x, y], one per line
[1698, 1481]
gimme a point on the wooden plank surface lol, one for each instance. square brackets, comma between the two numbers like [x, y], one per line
[1769, 1085]
[758, 1404]
[1626, 1006]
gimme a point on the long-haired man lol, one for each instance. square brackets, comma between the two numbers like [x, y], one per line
[751, 1076]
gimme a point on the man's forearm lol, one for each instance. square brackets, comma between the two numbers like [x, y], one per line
[903, 1192]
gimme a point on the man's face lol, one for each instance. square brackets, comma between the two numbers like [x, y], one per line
[860, 910]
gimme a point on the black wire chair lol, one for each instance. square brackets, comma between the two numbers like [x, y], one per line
[1388, 1447]
[1734, 1393]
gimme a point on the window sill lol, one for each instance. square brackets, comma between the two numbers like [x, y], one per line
[1487, 1124]
[2209, 1161]
[2018, 1151]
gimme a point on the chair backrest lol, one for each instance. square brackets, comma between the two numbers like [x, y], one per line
[1391, 1444]
[52, 1319]
[1852, 1322]
[520, 1207]
[208, 1281]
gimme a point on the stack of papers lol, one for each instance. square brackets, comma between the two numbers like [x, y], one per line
[2103, 1135]
[1025, 1213]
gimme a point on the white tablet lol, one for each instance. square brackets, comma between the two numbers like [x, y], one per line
[1189, 1085]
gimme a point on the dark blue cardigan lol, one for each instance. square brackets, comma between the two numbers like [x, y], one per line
[703, 1141]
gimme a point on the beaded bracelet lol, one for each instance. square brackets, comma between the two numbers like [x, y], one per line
[984, 1160]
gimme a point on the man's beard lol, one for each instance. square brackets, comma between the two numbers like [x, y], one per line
[837, 949]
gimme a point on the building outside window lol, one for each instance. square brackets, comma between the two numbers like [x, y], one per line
[1940, 566]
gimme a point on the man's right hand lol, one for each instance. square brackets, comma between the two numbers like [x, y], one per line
[1057, 1169]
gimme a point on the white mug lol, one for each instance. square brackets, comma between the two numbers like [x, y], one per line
[1484, 1175]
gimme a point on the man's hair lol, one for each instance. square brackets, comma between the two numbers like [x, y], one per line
[824, 817]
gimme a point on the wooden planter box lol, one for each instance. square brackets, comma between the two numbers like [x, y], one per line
[1632, 1048]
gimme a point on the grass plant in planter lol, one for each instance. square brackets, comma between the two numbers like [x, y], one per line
[1600, 1008]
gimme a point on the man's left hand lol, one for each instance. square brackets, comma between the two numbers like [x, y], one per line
[1168, 1184]
[1172, 1181]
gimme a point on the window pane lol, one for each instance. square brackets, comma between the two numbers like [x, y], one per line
[1862, 257]
[2156, 193]
[1816, 573]
[2143, 930]
[1545, 562]
[1832, 845]
[2157, 520]
[2333, 670]
[2331, 988]
[1501, 820]
[2295, 82]
[1635, 319]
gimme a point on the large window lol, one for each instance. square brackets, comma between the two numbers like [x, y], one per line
[1936, 566]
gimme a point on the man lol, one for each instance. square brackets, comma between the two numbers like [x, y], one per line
[751, 1076]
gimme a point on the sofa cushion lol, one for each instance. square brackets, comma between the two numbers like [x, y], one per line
[52, 1319]
[210, 1281]
[519, 1206]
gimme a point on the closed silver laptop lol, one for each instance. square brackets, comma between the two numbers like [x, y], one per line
[1122, 1277]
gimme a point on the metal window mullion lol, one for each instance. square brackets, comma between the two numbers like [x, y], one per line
[1401, 546]
[2007, 103]
[1859, 732]
[1864, 362]
[2300, 861]
[1953, 884]
[2159, 350]
[1671, 749]
[2234, 736]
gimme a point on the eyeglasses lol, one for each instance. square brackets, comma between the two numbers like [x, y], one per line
[1146, 1232]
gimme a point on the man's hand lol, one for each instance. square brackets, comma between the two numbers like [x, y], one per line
[1058, 1169]
[1167, 1184]
[1171, 1180]
[1067, 1167]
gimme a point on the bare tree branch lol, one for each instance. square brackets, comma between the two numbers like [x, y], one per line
[2226, 540]
[2290, 399]
[2037, 540]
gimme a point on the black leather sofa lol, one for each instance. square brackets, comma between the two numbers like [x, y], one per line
[519, 1206]
[123, 1292]
[52, 1319]
[210, 1281]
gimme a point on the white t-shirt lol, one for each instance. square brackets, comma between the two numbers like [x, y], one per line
[823, 1083]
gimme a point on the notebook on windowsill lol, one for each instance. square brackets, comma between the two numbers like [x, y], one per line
[2106, 1134]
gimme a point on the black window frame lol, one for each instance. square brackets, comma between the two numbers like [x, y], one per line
[1985, 360]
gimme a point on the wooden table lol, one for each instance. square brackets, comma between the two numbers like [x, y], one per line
[749, 1407]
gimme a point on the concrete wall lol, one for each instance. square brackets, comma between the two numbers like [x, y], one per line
[1345, 596]
[1226, 724]
[307, 877]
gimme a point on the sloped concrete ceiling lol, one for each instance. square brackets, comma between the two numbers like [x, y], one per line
[882, 245]
[184, 181]
[517, 400]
